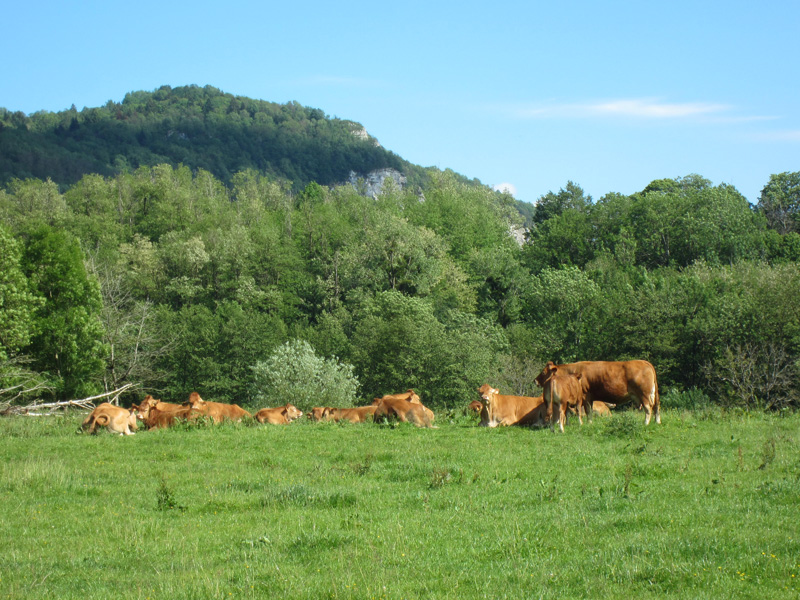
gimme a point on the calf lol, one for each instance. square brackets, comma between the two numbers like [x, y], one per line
[566, 390]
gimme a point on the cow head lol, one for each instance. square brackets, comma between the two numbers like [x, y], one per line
[318, 413]
[487, 392]
[549, 370]
[195, 401]
[413, 396]
[292, 412]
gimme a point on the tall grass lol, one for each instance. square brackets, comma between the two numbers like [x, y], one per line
[703, 506]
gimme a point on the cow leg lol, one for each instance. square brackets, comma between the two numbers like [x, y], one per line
[649, 408]
[562, 416]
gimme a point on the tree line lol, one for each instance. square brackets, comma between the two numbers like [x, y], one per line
[173, 279]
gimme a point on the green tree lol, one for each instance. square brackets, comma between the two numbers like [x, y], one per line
[396, 344]
[553, 204]
[68, 340]
[779, 202]
[17, 301]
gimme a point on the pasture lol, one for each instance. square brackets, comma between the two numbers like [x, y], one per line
[706, 505]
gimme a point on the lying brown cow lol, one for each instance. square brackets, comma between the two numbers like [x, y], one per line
[154, 418]
[410, 396]
[282, 415]
[216, 410]
[359, 414]
[402, 410]
[114, 418]
[618, 382]
[601, 408]
[320, 413]
[149, 401]
[500, 409]
[566, 390]
[475, 407]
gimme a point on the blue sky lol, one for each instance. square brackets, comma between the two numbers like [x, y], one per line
[610, 95]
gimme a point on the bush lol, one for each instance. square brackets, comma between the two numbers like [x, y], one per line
[294, 373]
[690, 399]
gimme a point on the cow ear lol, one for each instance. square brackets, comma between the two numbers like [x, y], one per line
[579, 376]
[553, 368]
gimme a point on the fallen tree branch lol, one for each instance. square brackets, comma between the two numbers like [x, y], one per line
[84, 403]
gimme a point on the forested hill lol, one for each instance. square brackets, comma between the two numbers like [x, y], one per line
[199, 127]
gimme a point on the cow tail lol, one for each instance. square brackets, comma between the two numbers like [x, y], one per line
[656, 398]
[550, 406]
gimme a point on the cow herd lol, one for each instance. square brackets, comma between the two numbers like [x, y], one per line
[581, 388]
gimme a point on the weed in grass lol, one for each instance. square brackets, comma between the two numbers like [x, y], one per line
[626, 487]
[165, 499]
[441, 477]
[361, 468]
[767, 454]
[741, 460]
[549, 492]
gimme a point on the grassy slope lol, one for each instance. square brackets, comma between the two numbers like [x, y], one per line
[704, 506]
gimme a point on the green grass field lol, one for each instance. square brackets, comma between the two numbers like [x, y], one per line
[706, 505]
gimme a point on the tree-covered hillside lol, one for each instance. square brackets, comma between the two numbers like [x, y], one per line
[200, 127]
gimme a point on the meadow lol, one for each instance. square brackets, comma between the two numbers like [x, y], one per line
[706, 505]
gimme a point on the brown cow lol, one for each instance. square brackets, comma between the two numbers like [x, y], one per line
[282, 415]
[475, 407]
[320, 413]
[359, 414]
[500, 409]
[619, 382]
[402, 410]
[410, 396]
[601, 408]
[216, 410]
[114, 418]
[149, 401]
[154, 418]
[566, 390]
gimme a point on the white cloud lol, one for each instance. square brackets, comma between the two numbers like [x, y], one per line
[790, 135]
[641, 108]
[509, 188]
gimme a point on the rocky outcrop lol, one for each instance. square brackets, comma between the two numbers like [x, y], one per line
[372, 183]
[363, 135]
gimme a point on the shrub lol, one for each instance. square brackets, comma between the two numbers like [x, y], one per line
[294, 373]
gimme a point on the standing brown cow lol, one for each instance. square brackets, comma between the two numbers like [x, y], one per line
[566, 390]
[615, 381]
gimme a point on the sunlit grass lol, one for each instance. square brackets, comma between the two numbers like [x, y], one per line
[704, 506]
